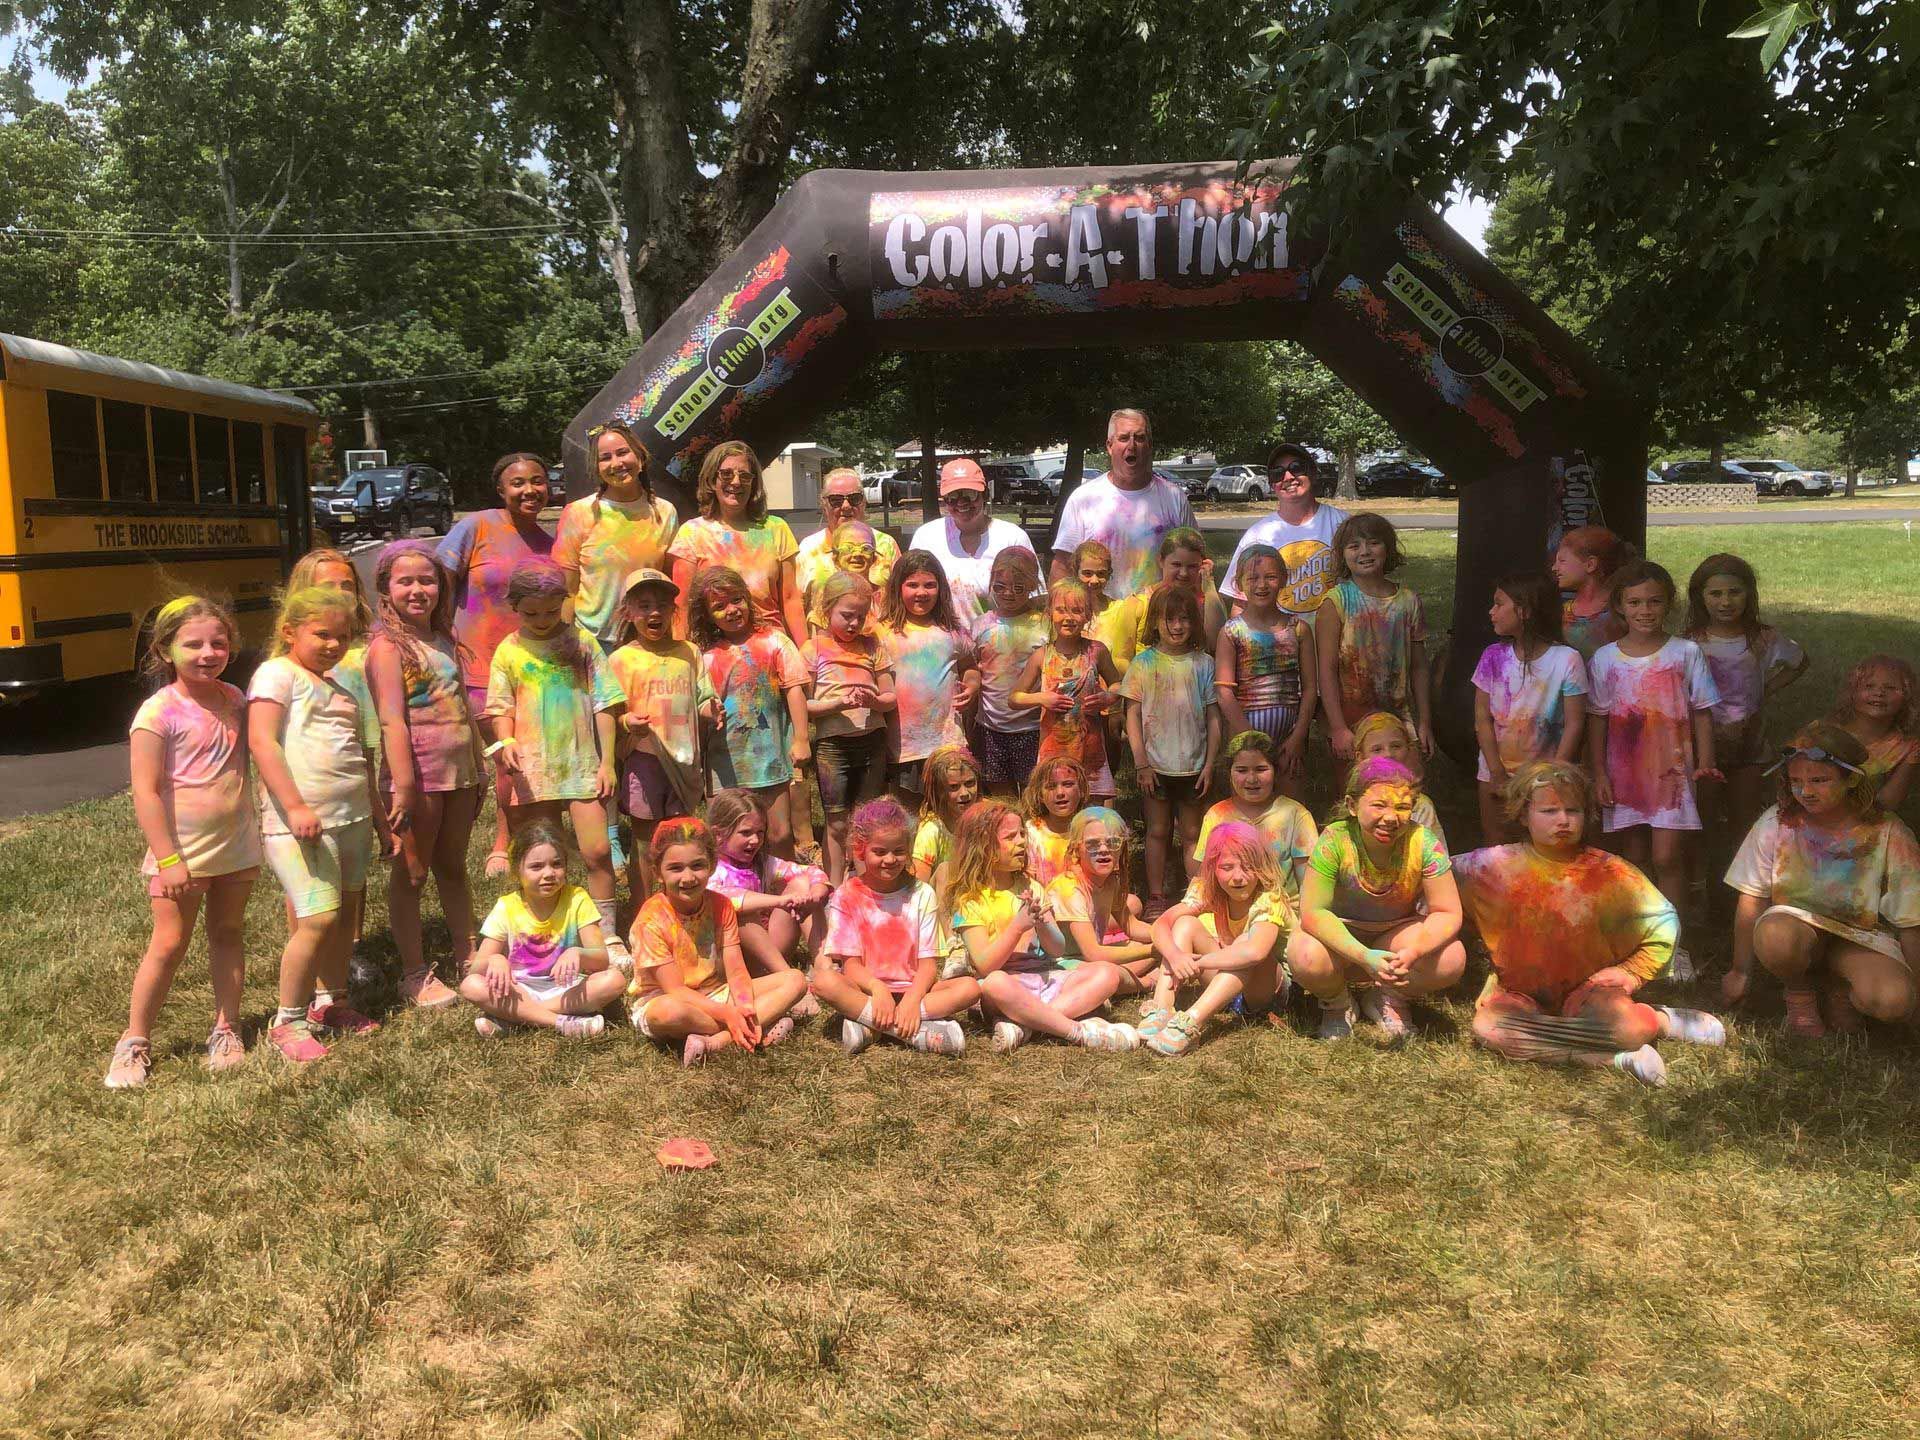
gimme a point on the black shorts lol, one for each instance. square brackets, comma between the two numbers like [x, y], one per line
[1007, 757]
[850, 769]
[1181, 789]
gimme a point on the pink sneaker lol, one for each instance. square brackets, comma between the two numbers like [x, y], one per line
[340, 1017]
[694, 1051]
[132, 1063]
[224, 1050]
[426, 991]
[296, 1043]
[776, 1032]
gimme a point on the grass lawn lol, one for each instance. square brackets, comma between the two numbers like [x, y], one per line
[430, 1234]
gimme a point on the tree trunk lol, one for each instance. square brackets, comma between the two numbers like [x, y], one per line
[1071, 465]
[236, 284]
[1348, 490]
[1853, 465]
[613, 249]
[926, 404]
[371, 428]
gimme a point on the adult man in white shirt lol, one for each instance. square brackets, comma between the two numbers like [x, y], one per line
[1301, 529]
[1128, 509]
[967, 538]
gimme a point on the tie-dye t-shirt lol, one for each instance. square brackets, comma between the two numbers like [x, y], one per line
[993, 911]
[1528, 700]
[1587, 633]
[756, 554]
[1073, 902]
[552, 709]
[481, 551]
[932, 844]
[203, 779]
[1375, 896]
[665, 688]
[1740, 670]
[834, 668]
[1859, 881]
[1075, 733]
[1551, 925]
[1175, 694]
[1046, 852]
[1266, 663]
[813, 562]
[768, 875]
[1002, 645]
[1130, 523]
[321, 738]
[1286, 826]
[697, 948]
[439, 725]
[534, 945]
[928, 662]
[606, 541]
[1649, 702]
[1377, 636]
[351, 675]
[751, 678]
[892, 931]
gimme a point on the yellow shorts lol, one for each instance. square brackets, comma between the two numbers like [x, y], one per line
[318, 874]
[637, 1009]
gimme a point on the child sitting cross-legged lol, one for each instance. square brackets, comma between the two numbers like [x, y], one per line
[1228, 944]
[776, 901]
[1571, 932]
[542, 960]
[1092, 904]
[882, 934]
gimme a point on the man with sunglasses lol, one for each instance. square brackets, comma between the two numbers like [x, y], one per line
[966, 538]
[1301, 529]
[841, 499]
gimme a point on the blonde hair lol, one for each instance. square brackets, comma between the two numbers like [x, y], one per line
[1122, 838]
[1245, 843]
[975, 842]
[1033, 803]
[1536, 775]
[936, 781]
[305, 573]
[297, 607]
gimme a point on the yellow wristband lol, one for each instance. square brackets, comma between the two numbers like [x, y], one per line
[173, 859]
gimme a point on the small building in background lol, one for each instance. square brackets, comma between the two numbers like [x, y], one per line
[793, 476]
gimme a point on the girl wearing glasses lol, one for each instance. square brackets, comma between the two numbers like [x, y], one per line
[841, 499]
[1829, 892]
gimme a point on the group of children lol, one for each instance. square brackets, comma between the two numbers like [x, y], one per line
[973, 856]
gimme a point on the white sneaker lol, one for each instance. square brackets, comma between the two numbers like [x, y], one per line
[1336, 1021]
[1097, 1034]
[939, 1037]
[1008, 1037]
[1644, 1065]
[1696, 1027]
[1386, 1010]
[580, 1027]
[854, 1037]
[1680, 969]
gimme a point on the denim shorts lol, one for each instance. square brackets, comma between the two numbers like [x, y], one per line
[850, 769]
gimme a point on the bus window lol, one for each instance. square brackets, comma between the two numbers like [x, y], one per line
[72, 425]
[213, 460]
[125, 425]
[172, 457]
[249, 463]
[290, 489]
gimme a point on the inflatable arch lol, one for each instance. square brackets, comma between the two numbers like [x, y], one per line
[849, 262]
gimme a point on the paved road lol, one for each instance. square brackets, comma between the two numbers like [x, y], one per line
[1659, 519]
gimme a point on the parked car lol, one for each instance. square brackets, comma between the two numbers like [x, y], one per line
[892, 487]
[393, 500]
[1013, 479]
[1400, 477]
[1051, 475]
[1231, 482]
[1783, 477]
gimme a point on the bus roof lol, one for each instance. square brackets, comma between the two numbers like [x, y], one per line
[31, 353]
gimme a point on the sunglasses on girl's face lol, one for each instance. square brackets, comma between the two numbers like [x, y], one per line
[1814, 753]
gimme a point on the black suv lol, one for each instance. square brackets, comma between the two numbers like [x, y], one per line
[391, 500]
[1402, 477]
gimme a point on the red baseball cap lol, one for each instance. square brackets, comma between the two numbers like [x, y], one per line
[962, 474]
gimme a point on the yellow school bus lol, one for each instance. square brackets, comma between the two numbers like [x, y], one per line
[123, 485]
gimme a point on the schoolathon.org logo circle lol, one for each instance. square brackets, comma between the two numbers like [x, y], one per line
[1472, 345]
[735, 357]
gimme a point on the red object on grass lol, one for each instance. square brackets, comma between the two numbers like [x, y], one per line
[685, 1155]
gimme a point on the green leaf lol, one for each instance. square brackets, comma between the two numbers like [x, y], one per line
[1759, 23]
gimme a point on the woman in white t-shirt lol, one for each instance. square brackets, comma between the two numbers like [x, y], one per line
[1301, 529]
[967, 539]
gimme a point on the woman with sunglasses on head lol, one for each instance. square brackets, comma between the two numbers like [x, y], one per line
[841, 500]
[1829, 892]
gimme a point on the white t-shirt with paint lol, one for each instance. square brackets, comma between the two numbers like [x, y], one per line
[1307, 551]
[1130, 523]
[969, 569]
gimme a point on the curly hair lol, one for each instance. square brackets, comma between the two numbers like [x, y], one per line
[712, 584]
[1033, 804]
[1843, 707]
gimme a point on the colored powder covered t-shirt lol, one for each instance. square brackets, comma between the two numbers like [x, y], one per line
[993, 911]
[606, 541]
[1272, 908]
[1075, 733]
[768, 875]
[1649, 702]
[1528, 700]
[1130, 523]
[1305, 549]
[1889, 753]
[203, 786]
[928, 662]
[1266, 663]
[813, 563]
[1046, 852]
[697, 947]
[751, 679]
[1860, 881]
[439, 724]
[1286, 826]
[1377, 636]
[534, 945]
[834, 669]
[969, 564]
[892, 931]
[1370, 895]
[320, 735]
[1740, 670]
[932, 844]
[665, 688]
[351, 673]
[552, 705]
[1072, 902]
[481, 551]
[1587, 633]
[755, 553]
[1122, 626]
[1002, 645]
[1174, 693]
[1551, 925]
